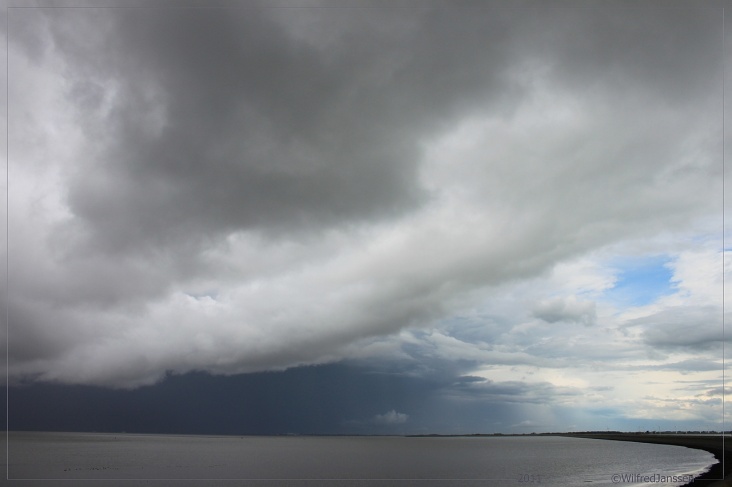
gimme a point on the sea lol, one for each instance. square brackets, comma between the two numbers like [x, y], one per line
[91, 459]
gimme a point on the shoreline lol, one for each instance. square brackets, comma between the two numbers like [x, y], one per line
[712, 444]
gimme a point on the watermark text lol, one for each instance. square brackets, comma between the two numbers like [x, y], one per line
[656, 478]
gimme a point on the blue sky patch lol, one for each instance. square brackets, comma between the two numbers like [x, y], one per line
[641, 280]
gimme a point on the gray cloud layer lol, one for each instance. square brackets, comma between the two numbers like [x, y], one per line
[247, 189]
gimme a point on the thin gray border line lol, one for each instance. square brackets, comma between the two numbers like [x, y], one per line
[724, 66]
[343, 7]
[7, 232]
[7, 243]
[284, 479]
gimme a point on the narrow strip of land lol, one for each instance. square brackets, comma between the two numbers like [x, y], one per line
[713, 444]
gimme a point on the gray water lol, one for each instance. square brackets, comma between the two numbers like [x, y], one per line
[132, 460]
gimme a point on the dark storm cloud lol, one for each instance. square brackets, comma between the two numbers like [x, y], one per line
[322, 399]
[237, 190]
[328, 399]
[223, 121]
[303, 400]
[261, 129]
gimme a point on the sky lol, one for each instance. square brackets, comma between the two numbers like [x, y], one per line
[365, 217]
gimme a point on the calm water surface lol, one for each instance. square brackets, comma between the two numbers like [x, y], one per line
[50, 459]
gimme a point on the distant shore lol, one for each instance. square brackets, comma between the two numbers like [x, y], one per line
[712, 444]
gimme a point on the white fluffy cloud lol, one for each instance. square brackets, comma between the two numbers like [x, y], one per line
[391, 417]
